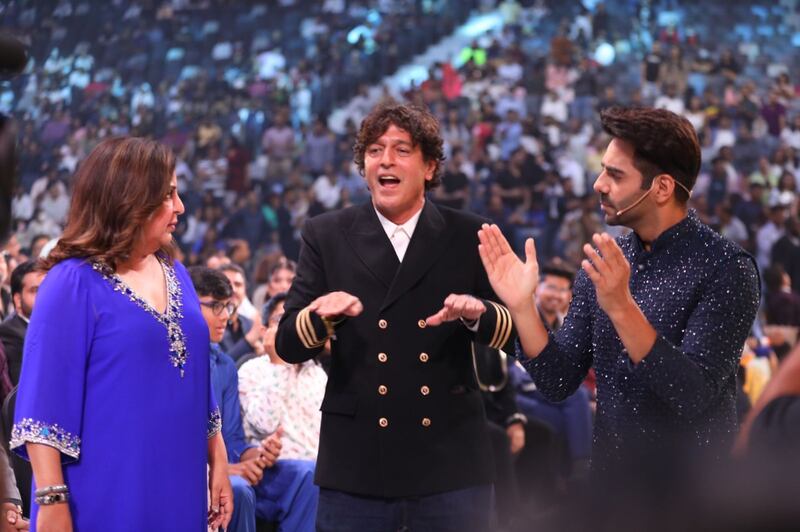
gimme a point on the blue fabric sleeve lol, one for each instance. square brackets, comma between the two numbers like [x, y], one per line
[49, 406]
[232, 430]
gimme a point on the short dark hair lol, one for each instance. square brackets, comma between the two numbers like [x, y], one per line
[559, 268]
[269, 306]
[19, 273]
[209, 282]
[773, 278]
[232, 267]
[663, 143]
[417, 121]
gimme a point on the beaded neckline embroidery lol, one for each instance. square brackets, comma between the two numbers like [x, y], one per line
[169, 319]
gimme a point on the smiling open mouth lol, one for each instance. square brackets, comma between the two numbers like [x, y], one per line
[388, 181]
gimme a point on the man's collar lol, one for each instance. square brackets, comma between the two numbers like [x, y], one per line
[390, 227]
[670, 235]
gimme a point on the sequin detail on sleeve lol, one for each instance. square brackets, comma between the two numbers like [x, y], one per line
[32, 431]
[170, 319]
[214, 422]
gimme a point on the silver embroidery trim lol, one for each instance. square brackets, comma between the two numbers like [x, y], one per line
[33, 431]
[214, 422]
[170, 320]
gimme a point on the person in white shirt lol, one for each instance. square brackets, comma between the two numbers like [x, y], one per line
[769, 233]
[275, 394]
[327, 188]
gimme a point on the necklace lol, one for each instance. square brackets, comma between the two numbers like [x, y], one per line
[169, 319]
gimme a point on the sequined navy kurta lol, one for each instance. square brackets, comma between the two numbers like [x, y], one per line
[101, 382]
[700, 292]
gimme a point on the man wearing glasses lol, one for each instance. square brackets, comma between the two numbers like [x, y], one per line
[252, 467]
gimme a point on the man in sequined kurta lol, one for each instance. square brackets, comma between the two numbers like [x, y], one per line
[661, 313]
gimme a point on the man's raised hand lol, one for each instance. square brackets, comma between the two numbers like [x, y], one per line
[513, 281]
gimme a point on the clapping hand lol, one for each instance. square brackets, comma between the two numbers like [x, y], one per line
[513, 281]
[610, 272]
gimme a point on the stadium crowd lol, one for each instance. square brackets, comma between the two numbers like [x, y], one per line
[241, 92]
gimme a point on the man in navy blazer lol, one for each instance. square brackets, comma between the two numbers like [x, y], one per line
[399, 289]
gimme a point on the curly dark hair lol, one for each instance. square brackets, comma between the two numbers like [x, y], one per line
[663, 143]
[417, 121]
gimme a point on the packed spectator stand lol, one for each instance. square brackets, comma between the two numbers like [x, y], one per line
[242, 92]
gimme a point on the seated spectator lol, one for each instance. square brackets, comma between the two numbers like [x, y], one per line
[275, 394]
[732, 227]
[454, 191]
[770, 233]
[263, 486]
[782, 304]
[786, 251]
[242, 335]
[25, 281]
[671, 100]
[212, 171]
[279, 279]
[571, 419]
[327, 188]
[278, 144]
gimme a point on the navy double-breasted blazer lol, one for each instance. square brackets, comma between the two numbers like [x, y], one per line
[402, 414]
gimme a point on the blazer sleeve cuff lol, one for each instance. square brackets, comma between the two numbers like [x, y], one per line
[495, 326]
[311, 329]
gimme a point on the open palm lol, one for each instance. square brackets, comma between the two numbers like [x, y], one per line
[513, 281]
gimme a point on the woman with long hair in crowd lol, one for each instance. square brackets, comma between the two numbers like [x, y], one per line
[115, 410]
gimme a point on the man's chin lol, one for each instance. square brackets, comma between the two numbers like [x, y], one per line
[610, 216]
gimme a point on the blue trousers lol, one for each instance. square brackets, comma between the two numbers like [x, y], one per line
[286, 495]
[464, 510]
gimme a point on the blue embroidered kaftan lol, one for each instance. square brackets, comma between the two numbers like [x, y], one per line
[101, 382]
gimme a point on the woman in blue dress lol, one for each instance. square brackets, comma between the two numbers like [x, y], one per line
[115, 410]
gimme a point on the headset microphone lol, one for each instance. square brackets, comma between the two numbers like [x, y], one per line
[649, 190]
[635, 203]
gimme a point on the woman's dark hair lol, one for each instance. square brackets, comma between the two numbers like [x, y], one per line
[210, 282]
[117, 188]
[282, 264]
[663, 143]
[418, 122]
[269, 306]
